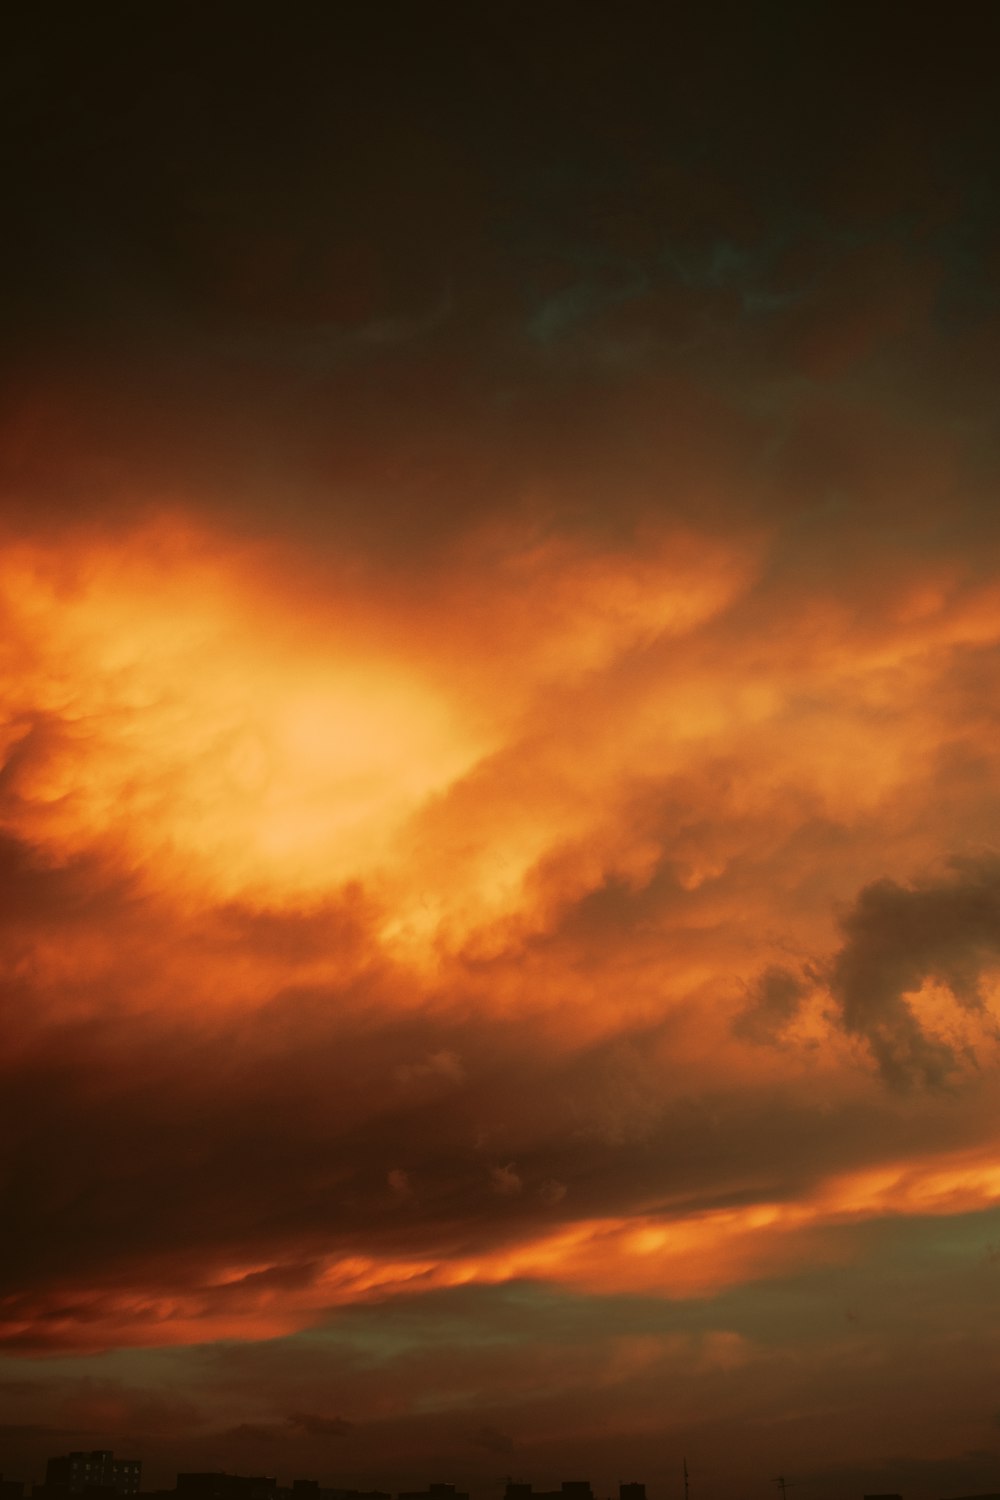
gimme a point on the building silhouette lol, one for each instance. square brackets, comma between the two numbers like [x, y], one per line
[218, 1486]
[93, 1473]
[570, 1489]
[434, 1492]
[311, 1489]
[98, 1475]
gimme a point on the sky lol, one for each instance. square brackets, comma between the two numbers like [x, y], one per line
[499, 723]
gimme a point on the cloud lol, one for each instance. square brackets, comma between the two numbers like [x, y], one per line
[505, 1181]
[471, 760]
[774, 1002]
[896, 938]
[399, 1183]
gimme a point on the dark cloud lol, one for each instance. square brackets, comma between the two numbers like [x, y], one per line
[144, 1156]
[774, 1002]
[896, 937]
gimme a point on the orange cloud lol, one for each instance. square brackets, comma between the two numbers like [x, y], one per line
[666, 1254]
[476, 875]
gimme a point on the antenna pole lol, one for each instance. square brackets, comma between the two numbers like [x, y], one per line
[687, 1486]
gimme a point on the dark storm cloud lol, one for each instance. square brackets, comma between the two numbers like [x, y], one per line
[219, 194]
[774, 1002]
[896, 937]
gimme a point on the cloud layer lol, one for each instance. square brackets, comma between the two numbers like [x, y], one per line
[499, 634]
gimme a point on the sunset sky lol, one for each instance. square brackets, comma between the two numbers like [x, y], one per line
[500, 744]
